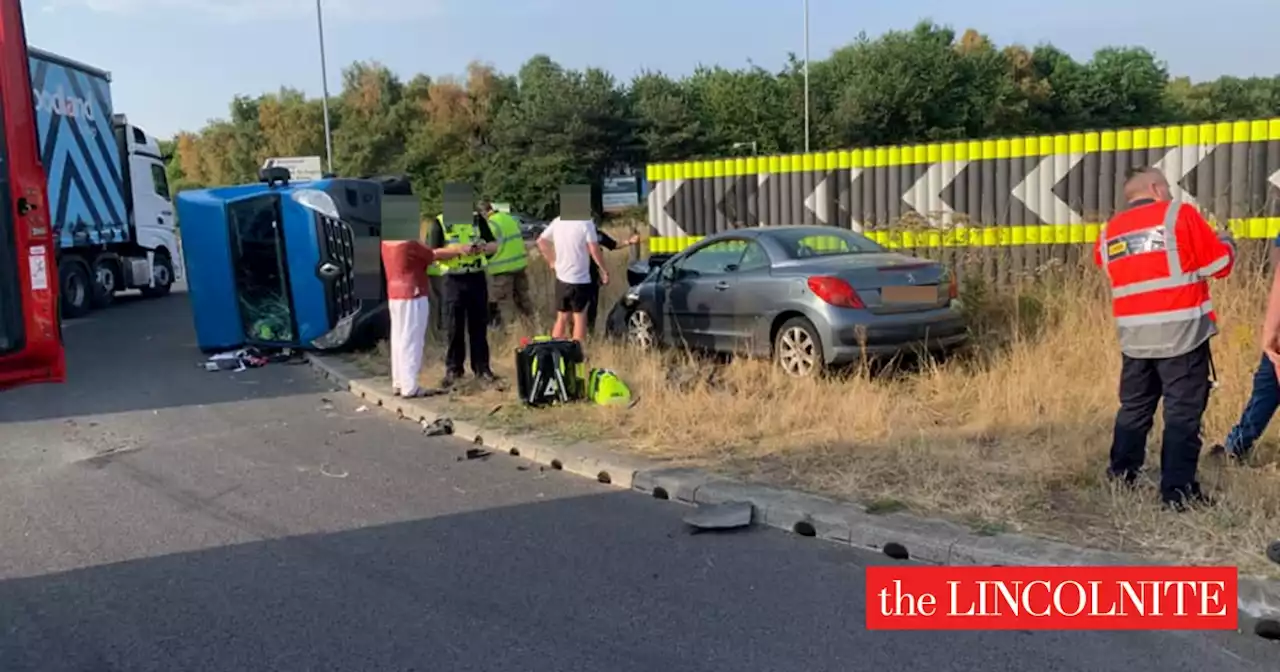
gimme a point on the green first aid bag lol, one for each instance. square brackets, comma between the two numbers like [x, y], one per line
[605, 388]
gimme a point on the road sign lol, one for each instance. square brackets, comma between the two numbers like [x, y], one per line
[301, 168]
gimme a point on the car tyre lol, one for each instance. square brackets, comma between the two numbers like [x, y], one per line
[75, 288]
[642, 332]
[797, 349]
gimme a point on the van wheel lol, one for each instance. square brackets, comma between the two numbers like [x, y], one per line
[798, 350]
[162, 270]
[106, 272]
[75, 287]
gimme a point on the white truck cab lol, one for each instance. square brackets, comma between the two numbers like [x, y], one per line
[152, 214]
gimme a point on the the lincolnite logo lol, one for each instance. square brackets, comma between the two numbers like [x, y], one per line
[328, 269]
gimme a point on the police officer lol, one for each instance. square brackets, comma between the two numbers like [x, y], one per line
[1158, 255]
[593, 304]
[507, 267]
[465, 291]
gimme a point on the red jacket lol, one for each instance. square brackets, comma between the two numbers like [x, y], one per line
[1158, 257]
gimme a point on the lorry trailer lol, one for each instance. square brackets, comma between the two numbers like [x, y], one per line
[109, 201]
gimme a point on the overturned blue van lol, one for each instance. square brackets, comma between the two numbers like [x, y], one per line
[280, 264]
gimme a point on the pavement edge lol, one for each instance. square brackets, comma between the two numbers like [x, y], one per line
[929, 541]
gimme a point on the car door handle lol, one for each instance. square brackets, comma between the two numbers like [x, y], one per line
[722, 285]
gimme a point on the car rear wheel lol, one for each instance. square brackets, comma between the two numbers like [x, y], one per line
[797, 349]
[641, 331]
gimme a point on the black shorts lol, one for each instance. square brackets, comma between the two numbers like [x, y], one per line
[573, 298]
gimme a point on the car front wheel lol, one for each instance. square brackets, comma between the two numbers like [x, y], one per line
[641, 331]
[797, 349]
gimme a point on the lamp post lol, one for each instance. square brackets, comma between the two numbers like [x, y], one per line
[739, 145]
[324, 90]
[806, 76]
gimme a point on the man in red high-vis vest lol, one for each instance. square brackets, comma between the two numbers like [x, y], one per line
[1158, 254]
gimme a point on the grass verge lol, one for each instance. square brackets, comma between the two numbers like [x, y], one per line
[1011, 438]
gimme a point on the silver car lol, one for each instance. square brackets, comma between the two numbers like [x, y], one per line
[810, 297]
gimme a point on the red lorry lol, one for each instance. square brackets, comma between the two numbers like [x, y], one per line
[30, 329]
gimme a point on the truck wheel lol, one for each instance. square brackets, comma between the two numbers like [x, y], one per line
[105, 274]
[75, 287]
[162, 268]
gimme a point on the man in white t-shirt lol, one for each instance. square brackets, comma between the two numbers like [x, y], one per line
[569, 246]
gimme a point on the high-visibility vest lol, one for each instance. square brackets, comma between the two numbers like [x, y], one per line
[511, 255]
[1158, 257]
[461, 234]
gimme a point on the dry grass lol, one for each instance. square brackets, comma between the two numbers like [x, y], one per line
[1012, 438]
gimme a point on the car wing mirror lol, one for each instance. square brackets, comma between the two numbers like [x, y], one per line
[668, 273]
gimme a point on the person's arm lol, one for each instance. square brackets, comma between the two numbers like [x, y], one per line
[606, 241]
[1271, 321]
[1214, 254]
[490, 246]
[545, 247]
[593, 248]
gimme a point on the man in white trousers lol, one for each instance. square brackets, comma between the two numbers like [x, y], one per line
[406, 262]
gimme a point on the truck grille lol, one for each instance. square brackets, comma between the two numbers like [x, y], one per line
[337, 242]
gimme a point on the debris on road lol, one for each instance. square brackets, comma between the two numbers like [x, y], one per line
[475, 454]
[250, 358]
[1273, 552]
[438, 427]
[362, 409]
[324, 469]
[726, 516]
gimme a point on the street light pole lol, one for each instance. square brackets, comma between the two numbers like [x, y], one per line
[806, 76]
[324, 90]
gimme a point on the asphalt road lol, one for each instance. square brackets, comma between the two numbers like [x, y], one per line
[154, 516]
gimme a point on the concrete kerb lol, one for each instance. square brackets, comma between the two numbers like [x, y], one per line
[927, 540]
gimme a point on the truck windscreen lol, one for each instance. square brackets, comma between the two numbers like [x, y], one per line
[11, 319]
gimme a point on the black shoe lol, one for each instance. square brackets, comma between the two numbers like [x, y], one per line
[1186, 500]
[449, 380]
[487, 377]
[1128, 479]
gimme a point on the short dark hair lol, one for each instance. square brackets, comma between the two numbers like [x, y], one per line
[485, 205]
[1139, 170]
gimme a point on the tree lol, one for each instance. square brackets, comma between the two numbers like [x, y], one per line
[518, 137]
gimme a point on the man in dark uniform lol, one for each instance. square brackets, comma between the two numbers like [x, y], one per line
[607, 242]
[465, 290]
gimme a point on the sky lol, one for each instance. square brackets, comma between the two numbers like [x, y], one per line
[177, 63]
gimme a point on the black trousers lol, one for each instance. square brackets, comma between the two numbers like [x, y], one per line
[1183, 382]
[466, 316]
[593, 306]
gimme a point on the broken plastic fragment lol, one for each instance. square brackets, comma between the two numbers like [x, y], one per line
[726, 516]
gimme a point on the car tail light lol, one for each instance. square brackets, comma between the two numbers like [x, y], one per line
[953, 287]
[835, 291]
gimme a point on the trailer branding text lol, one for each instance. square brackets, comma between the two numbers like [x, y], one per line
[59, 103]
